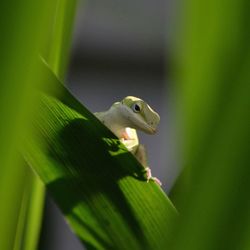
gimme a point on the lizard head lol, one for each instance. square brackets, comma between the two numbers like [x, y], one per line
[139, 114]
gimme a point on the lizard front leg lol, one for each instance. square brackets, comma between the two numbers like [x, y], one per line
[141, 156]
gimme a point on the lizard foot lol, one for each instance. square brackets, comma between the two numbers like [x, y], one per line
[150, 177]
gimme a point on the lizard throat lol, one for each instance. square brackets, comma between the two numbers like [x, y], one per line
[126, 134]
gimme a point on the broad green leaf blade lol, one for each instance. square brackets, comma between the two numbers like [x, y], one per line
[93, 178]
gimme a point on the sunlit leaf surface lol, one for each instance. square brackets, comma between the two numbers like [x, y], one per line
[94, 180]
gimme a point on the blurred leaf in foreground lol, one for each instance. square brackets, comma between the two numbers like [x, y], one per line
[23, 28]
[214, 102]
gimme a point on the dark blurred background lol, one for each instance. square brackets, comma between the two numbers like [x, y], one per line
[121, 48]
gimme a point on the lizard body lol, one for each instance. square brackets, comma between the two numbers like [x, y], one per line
[124, 118]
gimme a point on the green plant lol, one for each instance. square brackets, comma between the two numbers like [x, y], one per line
[26, 29]
[213, 92]
[94, 180]
[103, 198]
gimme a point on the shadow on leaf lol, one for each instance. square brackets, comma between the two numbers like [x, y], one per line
[99, 163]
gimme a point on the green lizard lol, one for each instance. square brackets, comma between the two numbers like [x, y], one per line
[124, 118]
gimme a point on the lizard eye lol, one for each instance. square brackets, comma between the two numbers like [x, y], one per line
[136, 108]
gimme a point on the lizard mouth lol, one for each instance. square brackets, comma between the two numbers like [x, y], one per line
[150, 130]
[138, 123]
[145, 127]
[154, 130]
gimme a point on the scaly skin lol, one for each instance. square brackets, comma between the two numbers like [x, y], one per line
[124, 118]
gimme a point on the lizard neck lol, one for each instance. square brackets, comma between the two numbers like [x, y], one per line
[115, 121]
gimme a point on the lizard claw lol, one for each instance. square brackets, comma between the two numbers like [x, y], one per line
[148, 173]
[150, 177]
[156, 180]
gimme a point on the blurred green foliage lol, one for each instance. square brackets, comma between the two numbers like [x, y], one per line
[212, 90]
[28, 28]
[57, 47]
[213, 101]
[22, 32]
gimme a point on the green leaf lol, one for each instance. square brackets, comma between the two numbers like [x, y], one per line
[213, 94]
[94, 180]
[23, 29]
[57, 50]
[30, 215]
[58, 27]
